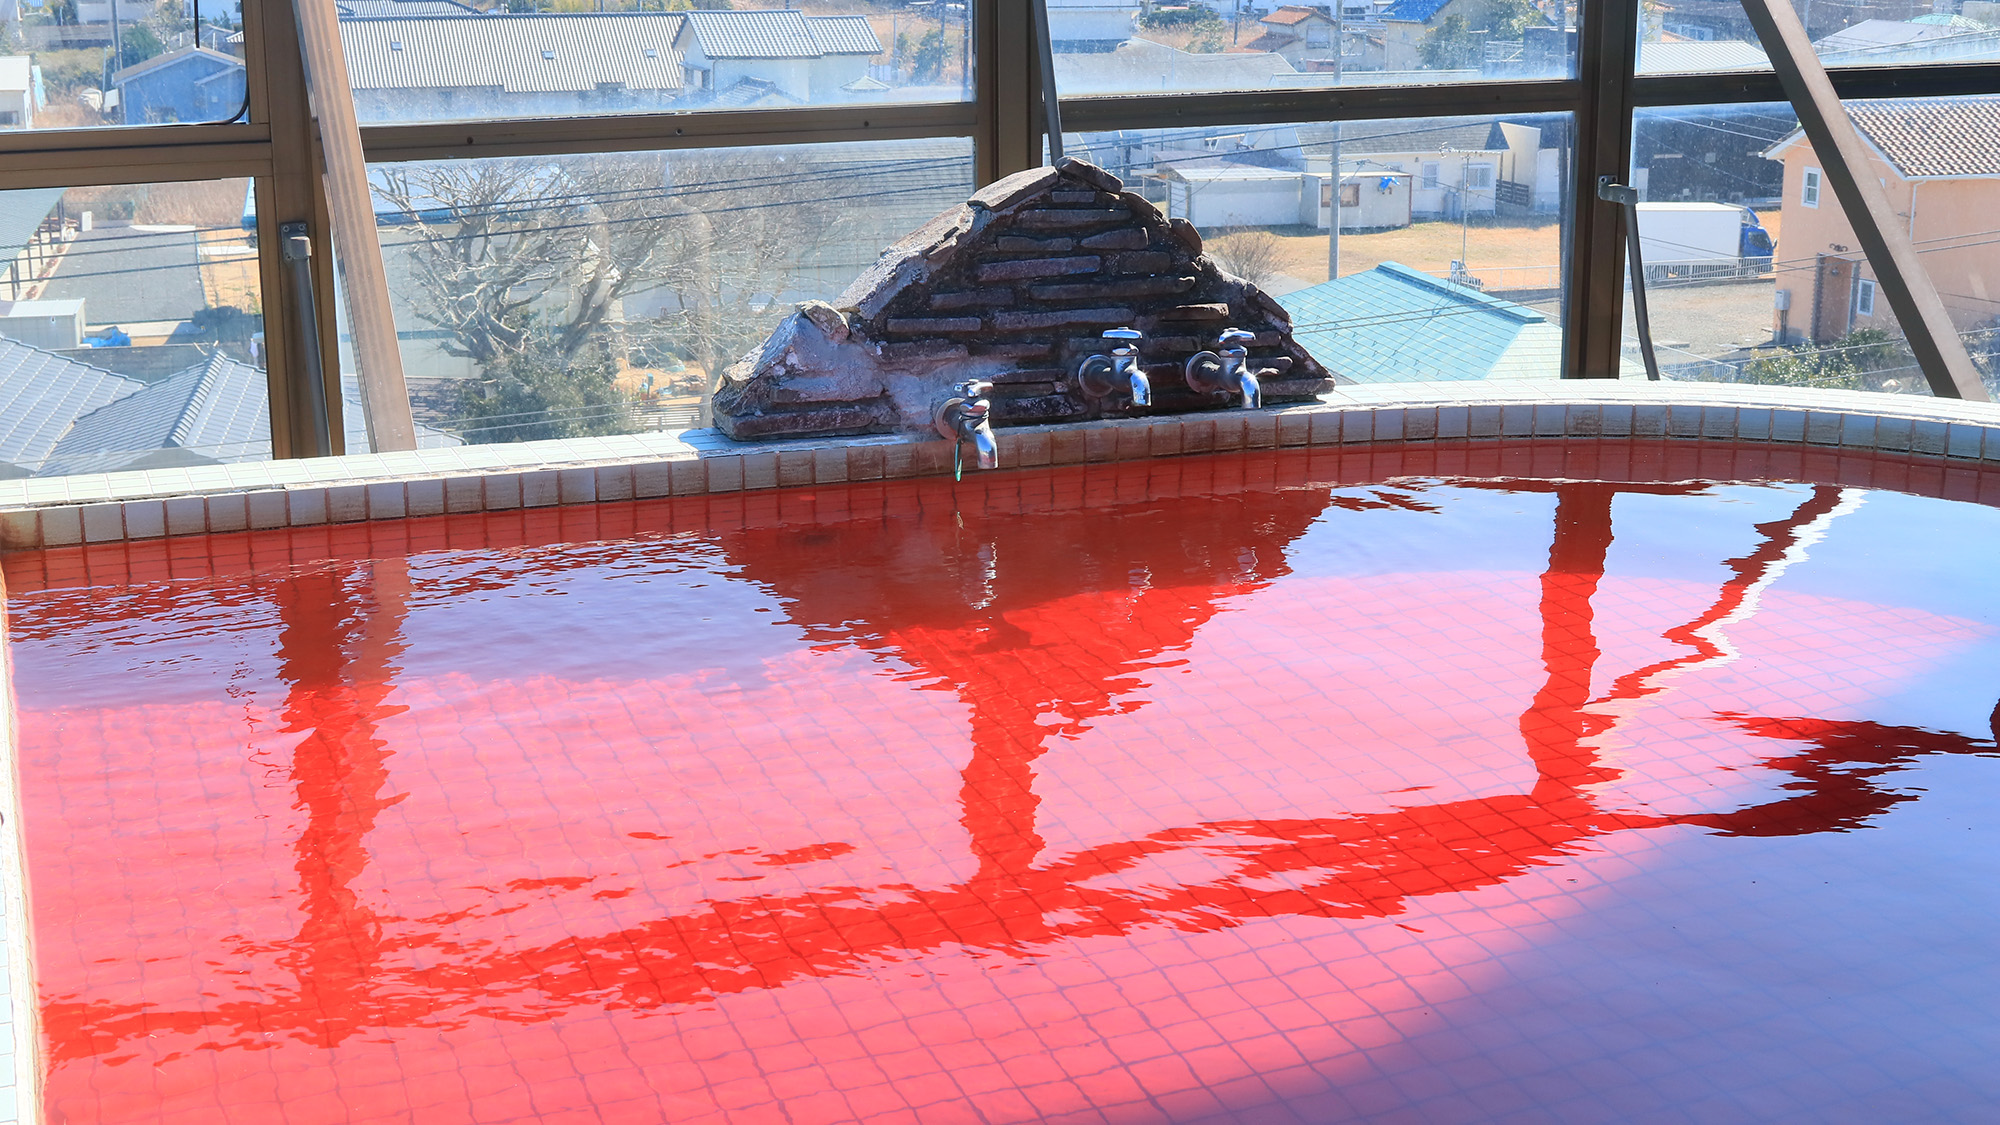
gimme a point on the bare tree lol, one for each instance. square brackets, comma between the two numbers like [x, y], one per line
[1253, 255]
[499, 250]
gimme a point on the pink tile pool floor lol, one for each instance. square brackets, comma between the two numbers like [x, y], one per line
[1487, 784]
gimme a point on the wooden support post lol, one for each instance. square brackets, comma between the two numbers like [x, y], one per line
[1845, 160]
[385, 398]
[1007, 73]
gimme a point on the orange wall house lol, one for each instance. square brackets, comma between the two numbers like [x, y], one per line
[1939, 160]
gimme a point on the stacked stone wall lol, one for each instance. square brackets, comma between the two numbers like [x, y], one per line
[1015, 287]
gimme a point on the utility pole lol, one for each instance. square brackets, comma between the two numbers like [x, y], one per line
[1333, 166]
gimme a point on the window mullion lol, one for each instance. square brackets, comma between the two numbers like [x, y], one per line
[1595, 297]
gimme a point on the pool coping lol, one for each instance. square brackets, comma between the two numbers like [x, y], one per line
[20, 1014]
[165, 503]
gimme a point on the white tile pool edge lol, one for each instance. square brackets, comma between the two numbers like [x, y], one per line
[154, 504]
[20, 1014]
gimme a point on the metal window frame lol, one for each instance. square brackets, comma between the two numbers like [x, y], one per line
[278, 146]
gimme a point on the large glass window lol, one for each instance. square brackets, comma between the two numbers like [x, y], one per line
[72, 64]
[1753, 271]
[1447, 259]
[130, 329]
[1106, 48]
[587, 295]
[530, 58]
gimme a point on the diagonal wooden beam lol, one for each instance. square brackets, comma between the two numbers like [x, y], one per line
[1844, 159]
[385, 398]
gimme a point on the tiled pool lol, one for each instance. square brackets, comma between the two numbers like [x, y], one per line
[1494, 783]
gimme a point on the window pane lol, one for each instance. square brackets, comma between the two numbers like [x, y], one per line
[538, 58]
[1450, 243]
[74, 65]
[578, 296]
[1230, 45]
[1723, 183]
[130, 329]
[1703, 36]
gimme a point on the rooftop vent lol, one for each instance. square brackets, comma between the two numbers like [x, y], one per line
[652, 52]
[396, 45]
[548, 54]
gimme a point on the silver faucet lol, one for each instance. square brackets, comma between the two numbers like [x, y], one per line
[1227, 370]
[1099, 374]
[969, 417]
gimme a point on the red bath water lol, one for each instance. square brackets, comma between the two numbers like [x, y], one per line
[1277, 787]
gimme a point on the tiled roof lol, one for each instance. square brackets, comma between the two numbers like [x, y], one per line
[1934, 136]
[1393, 324]
[41, 394]
[216, 412]
[1269, 41]
[1290, 15]
[515, 53]
[844, 35]
[756, 35]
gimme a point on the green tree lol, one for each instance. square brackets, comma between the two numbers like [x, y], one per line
[138, 43]
[928, 61]
[1866, 359]
[539, 393]
[1451, 45]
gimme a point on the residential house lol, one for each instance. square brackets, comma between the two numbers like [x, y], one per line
[806, 59]
[1143, 66]
[1087, 27]
[1297, 34]
[1707, 154]
[41, 394]
[395, 9]
[1406, 22]
[61, 416]
[1454, 166]
[1393, 324]
[17, 92]
[431, 67]
[1939, 161]
[191, 84]
[1930, 38]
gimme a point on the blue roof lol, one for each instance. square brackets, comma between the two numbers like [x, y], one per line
[1393, 324]
[1419, 10]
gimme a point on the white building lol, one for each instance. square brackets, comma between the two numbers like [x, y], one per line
[17, 92]
[808, 59]
[1089, 26]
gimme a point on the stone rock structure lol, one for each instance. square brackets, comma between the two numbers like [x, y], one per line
[1014, 286]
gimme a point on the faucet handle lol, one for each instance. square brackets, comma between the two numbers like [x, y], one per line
[1123, 334]
[975, 388]
[1232, 335]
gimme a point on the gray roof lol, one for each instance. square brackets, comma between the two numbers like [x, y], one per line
[22, 211]
[844, 35]
[41, 393]
[783, 34]
[1699, 57]
[1435, 134]
[378, 9]
[515, 53]
[214, 412]
[217, 411]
